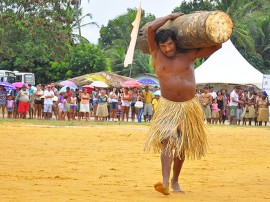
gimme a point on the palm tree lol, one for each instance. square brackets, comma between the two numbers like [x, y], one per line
[242, 12]
[78, 19]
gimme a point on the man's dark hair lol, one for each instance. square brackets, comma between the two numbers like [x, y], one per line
[163, 35]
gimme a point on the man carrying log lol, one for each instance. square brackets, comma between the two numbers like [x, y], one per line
[177, 129]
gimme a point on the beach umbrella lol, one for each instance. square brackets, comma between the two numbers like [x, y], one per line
[20, 84]
[99, 84]
[64, 89]
[157, 92]
[131, 83]
[89, 88]
[7, 85]
[148, 81]
[68, 84]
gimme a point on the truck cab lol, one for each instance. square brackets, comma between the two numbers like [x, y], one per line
[25, 77]
[8, 76]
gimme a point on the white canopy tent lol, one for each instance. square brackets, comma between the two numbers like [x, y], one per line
[228, 66]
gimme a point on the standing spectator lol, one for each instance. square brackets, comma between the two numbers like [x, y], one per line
[102, 110]
[155, 103]
[84, 108]
[119, 109]
[16, 102]
[126, 98]
[225, 96]
[134, 110]
[220, 102]
[239, 109]
[250, 106]
[148, 96]
[54, 89]
[78, 91]
[3, 97]
[69, 93]
[10, 106]
[95, 95]
[60, 106]
[24, 97]
[262, 109]
[212, 92]
[215, 111]
[113, 103]
[65, 107]
[38, 93]
[234, 100]
[140, 110]
[73, 106]
[244, 99]
[206, 100]
[48, 102]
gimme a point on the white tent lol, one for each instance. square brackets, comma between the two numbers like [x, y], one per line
[228, 66]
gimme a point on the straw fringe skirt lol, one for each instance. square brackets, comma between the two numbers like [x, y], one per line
[263, 114]
[182, 125]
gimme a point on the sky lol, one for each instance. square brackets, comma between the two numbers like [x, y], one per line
[104, 10]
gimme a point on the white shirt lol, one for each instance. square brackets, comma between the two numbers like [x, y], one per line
[113, 99]
[235, 96]
[48, 101]
[214, 95]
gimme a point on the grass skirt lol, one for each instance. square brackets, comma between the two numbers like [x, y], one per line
[263, 114]
[172, 117]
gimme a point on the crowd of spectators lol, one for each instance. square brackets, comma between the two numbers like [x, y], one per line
[100, 104]
[246, 107]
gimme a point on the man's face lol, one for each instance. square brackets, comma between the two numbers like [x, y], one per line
[168, 48]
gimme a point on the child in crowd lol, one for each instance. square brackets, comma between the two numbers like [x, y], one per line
[73, 106]
[65, 107]
[60, 106]
[215, 112]
[155, 103]
[10, 106]
[119, 110]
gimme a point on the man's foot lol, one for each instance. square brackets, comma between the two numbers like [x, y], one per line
[176, 187]
[161, 188]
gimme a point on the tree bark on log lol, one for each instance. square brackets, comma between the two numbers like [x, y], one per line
[196, 30]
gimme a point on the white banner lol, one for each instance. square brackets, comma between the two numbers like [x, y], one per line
[266, 84]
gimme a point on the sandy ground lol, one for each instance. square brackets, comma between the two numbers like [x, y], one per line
[107, 163]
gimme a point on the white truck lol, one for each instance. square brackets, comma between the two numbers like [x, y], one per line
[25, 77]
[8, 76]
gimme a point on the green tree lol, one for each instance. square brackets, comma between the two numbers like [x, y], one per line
[115, 42]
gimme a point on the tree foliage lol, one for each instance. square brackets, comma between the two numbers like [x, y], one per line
[115, 38]
[251, 26]
[36, 36]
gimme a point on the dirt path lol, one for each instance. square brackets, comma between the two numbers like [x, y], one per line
[107, 163]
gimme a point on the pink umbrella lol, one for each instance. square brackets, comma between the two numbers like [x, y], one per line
[131, 83]
[20, 84]
[68, 83]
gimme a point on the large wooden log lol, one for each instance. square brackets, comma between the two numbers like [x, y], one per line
[196, 30]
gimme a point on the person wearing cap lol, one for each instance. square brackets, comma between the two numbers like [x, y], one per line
[24, 97]
[48, 102]
[262, 109]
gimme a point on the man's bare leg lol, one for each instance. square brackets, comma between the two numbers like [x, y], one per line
[177, 166]
[166, 162]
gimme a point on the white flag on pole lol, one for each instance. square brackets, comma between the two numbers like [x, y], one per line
[133, 35]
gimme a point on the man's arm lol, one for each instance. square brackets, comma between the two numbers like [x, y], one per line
[205, 52]
[153, 27]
